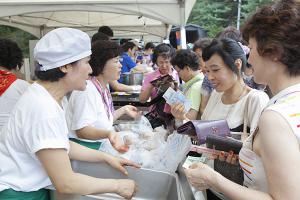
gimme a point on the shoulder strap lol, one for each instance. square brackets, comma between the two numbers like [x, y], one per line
[187, 88]
[245, 124]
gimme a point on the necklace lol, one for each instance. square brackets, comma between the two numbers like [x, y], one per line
[105, 96]
[244, 87]
[232, 105]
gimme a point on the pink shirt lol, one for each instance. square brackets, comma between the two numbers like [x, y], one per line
[154, 75]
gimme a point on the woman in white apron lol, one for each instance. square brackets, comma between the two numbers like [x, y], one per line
[35, 151]
[91, 113]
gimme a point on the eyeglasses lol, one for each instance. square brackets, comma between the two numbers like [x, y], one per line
[161, 64]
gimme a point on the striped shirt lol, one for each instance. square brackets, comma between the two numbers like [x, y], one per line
[287, 104]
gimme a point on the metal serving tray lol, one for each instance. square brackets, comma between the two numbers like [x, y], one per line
[153, 185]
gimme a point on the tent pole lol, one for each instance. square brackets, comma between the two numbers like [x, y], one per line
[182, 24]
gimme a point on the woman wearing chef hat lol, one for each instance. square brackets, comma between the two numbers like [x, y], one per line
[90, 113]
[34, 145]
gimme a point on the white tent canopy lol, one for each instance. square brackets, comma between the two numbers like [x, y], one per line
[152, 17]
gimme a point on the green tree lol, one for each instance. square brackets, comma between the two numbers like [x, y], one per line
[20, 37]
[214, 15]
[250, 6]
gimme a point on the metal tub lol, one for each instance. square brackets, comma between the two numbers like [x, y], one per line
[133, 78]
[153, 185]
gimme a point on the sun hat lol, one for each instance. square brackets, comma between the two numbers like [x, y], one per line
[60, 47]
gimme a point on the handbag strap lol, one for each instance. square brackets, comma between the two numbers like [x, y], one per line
[245, 124]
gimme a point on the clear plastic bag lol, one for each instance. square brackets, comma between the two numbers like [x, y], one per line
[153, 150]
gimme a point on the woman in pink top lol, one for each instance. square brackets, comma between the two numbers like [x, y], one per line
[162, 58]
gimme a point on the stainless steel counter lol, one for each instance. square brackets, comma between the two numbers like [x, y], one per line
[153, 185]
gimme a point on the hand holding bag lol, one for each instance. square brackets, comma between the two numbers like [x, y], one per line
[203, 128]
[230, 171]
[162, 83]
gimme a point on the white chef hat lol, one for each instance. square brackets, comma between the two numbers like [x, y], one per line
[60, 47]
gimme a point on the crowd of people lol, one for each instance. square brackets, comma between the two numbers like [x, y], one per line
[68, 111]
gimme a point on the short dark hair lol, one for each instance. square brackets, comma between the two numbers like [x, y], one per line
[127, 46]
[124, 40]
[102, 51]
[202, 43]
[186, 57]
[149, 45]
[106, 30]
[276, 30]
[11, 56]
[51, 75]
[99, 36]
[232, 33]
[165, 50]
[229, 50]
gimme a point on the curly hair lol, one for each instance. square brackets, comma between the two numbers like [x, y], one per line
[11, 56]
[102, 51]
[232, 33]
[186, 57]
[276, 29]
[165, 50]
[229, 50]
[201, 43]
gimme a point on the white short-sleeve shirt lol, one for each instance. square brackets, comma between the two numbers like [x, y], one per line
[37, 122]
[9, 99]
[86, 108]
[234, 113]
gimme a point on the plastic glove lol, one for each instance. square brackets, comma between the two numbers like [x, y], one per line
[136, 88]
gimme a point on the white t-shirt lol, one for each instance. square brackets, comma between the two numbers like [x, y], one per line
[37, 122]
[9, 99]
[234, 113]
[86, 108]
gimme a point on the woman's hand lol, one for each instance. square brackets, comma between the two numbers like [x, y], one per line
[229, 157]
[126, 188]
[177, 110]
[117, 142]
[131, 111]
[200, 176]
[119, 163]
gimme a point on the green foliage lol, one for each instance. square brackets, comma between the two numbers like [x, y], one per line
[21, 37]
[214, 15]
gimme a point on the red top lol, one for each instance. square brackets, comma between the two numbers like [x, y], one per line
[6, 79]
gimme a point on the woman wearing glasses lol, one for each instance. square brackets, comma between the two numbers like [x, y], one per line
[162, 59]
